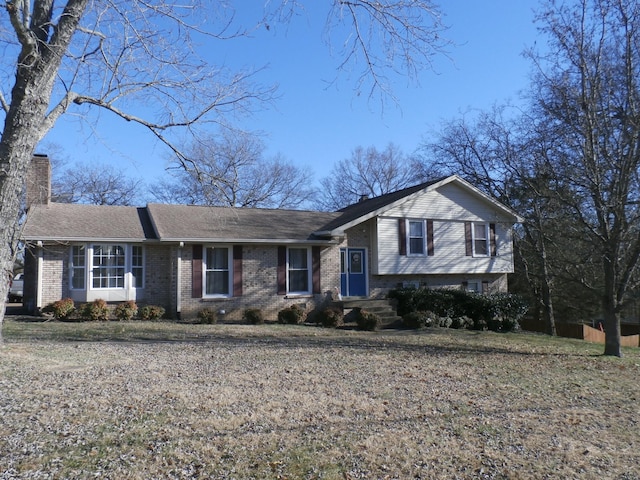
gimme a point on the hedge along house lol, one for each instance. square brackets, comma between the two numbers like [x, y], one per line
[444, 233]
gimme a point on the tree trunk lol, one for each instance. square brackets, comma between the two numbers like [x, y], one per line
[611, 314]
[547, 302]
[547, 310]
[36, 69]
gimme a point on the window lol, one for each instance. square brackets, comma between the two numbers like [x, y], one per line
[472, 286]
[416, 237]
[480, 239]
[298, 272]
[78, 267]
[137, 267]
[108, 266]
[217, 275]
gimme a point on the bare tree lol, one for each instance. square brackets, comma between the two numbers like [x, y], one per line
[231, 170]
[368, 173]
[96, 185]
[127, 55]
[587, 93]
[502, 153]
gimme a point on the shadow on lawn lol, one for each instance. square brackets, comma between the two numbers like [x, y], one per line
[309, 336]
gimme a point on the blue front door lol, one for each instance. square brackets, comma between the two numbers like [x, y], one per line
[353, 272]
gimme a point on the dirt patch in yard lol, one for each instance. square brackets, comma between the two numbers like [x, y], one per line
[141, 400]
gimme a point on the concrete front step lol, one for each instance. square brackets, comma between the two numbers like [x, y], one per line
[380, 307]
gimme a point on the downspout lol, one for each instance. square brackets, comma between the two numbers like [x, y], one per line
[179, 281]
[39, 275]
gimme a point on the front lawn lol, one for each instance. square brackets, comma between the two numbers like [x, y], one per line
[146, 400]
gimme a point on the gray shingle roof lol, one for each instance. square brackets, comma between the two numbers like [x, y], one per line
[192, 222]
[357, 210]
[66, 221]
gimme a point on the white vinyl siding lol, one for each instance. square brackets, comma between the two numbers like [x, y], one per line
[450, 257]
[449, 206]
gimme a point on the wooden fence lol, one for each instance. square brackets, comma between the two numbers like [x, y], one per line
[594, 335]
[584, 332]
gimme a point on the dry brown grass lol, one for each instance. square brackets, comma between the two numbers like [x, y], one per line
[158, 400]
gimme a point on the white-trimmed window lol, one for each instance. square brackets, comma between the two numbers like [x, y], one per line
[137, 266]
[106, 267]
[217, 271]
[78, 267]
[298, 270]
[480, 236]
[416, 237]
[474, 286]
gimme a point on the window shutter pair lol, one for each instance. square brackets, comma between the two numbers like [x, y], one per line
[196, 271]
[468, 239]
[282, 270]
[402, 237]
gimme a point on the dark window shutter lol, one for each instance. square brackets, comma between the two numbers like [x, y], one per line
[485, 286]
[430, 248]
[465, 285]
[468, 241]
[402, 236]
[282, 270]
[492, 237]
[315, 275]
[196, 272]
[237, 270]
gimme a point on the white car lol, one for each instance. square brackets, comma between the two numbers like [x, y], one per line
[16, 288]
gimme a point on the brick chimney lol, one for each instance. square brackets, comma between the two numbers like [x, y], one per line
[39, 181]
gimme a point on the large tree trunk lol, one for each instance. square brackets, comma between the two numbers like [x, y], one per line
[37, 66]
[611, 313]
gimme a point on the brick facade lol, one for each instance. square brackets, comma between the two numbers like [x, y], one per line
[259, 285]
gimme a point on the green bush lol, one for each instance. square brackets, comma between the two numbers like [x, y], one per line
[367, 321]
[96, 310]
[151, 312]
[506, 311]
[61, 309]
[444, 322]
[419, 319]
[253, 316]
[125, 311]
[292, 315]
[207, 316]
[462, 309]
[331, 317]
[462, 322]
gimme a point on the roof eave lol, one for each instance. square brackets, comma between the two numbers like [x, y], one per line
[88, 239]
[252, 241]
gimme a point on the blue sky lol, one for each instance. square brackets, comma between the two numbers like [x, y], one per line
[315, 123]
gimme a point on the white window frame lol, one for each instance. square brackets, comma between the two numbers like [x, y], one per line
[88, 268]
[81, 270]
[108, 268]
[141, 267]
[309, 269]
[486, 239]
[474, 286]
[423, 225]
[206, 269]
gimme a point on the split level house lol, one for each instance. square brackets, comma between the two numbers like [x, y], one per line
[443, 233]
